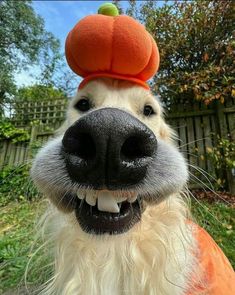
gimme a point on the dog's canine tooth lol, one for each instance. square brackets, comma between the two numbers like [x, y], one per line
[121, 198]
[80, 195]
[132, 198]
[107, 202]
[91, 198]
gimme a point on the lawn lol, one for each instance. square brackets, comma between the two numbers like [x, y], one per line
[18, 244]
[17, 238]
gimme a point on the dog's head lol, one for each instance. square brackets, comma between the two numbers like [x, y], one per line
[114, 157]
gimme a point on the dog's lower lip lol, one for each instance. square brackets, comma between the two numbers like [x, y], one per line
[94, 221]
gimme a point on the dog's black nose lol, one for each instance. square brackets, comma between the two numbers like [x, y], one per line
[108, 148]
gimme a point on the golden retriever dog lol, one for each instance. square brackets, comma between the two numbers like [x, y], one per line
[116, 182]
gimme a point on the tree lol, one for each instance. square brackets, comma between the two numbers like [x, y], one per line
[195, 39]
[118, 5]
[39, 92]
[23, 42]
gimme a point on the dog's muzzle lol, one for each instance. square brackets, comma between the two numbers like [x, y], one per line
[108, 150]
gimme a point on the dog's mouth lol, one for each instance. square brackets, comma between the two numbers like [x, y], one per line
[106, 212]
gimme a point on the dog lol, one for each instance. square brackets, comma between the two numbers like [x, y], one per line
[119, 220]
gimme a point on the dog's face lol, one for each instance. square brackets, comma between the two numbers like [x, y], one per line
[115, 157]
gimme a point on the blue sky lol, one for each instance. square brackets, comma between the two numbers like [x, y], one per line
[60, 17]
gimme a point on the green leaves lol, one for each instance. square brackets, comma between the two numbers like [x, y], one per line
[39, 92]
[196, 48]
[23, 42]
[16, 185]
[222, 157]
[9, 131]
[223, 154]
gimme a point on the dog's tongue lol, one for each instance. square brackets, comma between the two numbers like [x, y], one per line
[107, 202]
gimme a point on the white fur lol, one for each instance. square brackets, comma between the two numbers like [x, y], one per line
[153, 258]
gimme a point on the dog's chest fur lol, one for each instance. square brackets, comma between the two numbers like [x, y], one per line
[155, 258]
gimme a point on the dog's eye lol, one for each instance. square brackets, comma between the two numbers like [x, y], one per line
[83, 105]
[148, 111]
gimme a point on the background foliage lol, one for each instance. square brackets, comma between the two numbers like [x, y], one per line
[20, 184]
[39, 92]
[196, 43]
[10, 132]
[222, 157]
[24, 42]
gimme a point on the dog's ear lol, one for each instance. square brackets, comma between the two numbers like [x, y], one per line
[167, 133]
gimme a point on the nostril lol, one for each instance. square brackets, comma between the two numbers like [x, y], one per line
[134, 147]
[82, 145]
[86, 146]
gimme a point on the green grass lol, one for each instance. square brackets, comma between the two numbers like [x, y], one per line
[219, 220]
[17, 244]
[17, 237]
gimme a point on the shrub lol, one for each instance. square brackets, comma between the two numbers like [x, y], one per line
[15, 184]
[9, 131]
[222, 157]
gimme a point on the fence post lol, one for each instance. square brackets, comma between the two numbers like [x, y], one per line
[33, 134]
[231, 180]
[33, 138]
[221, 120]
[230, 174]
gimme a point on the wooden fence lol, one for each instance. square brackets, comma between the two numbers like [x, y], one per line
[197, 126]
[46, 113]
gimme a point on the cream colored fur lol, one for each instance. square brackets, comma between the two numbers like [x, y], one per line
[154, 257]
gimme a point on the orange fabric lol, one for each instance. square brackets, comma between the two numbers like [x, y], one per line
[218, 277]
[112, 46]
[116, 76]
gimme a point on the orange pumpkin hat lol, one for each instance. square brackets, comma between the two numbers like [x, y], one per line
[111, 45]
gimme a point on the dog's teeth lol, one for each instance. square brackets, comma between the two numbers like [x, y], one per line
[107, 203]
[90, 198]
[80, 195]
[132, 198]
[121, 199]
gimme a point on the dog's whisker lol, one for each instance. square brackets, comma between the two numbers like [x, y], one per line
[204, 185]
[132, 211]
[190, 154]
[206, 208]
[139, 200]
[81, 204]
[194, 141]
[202, 171]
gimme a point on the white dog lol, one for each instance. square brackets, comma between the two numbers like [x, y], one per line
[118, 220]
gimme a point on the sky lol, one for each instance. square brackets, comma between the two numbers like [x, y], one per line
[60, 17]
